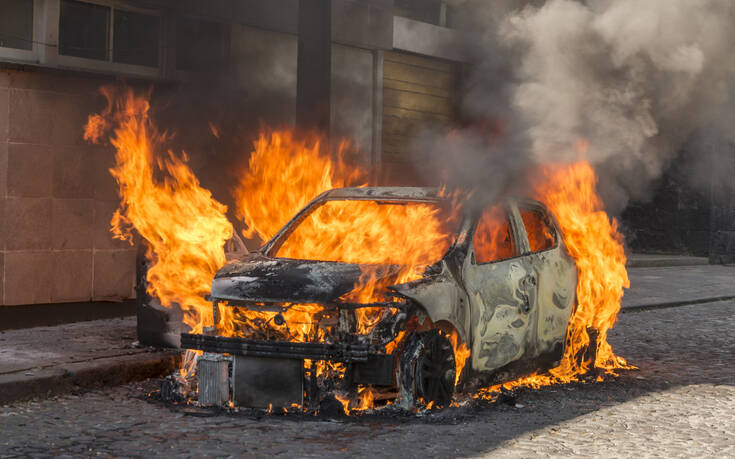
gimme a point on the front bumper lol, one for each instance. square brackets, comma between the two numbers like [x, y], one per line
[336, 352]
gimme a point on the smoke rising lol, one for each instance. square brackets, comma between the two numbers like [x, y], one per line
[634, 80]
[233, 101]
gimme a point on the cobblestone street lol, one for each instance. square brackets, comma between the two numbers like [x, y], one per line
[680, 403]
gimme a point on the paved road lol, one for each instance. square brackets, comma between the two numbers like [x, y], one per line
[680, 403]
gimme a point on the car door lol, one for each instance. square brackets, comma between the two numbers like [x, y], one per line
[500, 285]
[557, 278]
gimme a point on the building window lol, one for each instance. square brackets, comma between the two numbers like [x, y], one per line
[201, 45]
[16, 24]
[84, 30]
[100, 32]
[136, 38]
[432, 11]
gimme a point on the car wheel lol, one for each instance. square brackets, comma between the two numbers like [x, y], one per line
[427, 370]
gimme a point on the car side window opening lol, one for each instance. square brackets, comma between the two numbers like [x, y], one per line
[493, 239]
[540, 231]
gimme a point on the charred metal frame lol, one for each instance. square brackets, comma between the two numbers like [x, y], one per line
[268, 305]
[457, 293]
[336, 352]
[388, 194]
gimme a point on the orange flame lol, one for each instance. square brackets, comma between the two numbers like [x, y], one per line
[186, 230]
[461, 353]
[299, 324]
[371, 233]
[185, 227]
[596, 245]
[594, 242]
[283, 175]
[364, 400]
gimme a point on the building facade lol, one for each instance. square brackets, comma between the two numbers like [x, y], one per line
[377, 69]
[373, 71]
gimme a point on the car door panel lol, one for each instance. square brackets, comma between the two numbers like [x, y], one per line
[502, 296]
[557, 281]
[556, 297]
[503, 312]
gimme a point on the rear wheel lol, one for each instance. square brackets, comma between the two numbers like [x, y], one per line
[427, 370]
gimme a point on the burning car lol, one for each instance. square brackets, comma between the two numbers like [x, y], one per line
[439, 297]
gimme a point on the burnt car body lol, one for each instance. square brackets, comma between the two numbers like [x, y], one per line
[509, 308]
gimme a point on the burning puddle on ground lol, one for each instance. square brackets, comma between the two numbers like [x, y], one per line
[464, 406]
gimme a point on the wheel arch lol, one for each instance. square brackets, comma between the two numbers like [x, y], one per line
[440, 300]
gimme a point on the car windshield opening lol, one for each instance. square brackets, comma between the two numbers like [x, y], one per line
[371, 232]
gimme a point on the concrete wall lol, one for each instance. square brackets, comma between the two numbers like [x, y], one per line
[352, 99]
[264, 66]
[363, 23]
[275, 15]
[56, 195]
[427, 39]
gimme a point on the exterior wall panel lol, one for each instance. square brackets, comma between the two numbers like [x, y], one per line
[264, 66]
[418, 92]
[352, 99]
[56, 194]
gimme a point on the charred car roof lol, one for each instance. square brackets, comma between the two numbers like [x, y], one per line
[392, 193]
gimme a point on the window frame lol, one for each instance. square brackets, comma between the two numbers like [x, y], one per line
[271, 248]
[108, 50]
[519, 250]
[538, 207]
[410, 13]
[37, 36]
[161, 31]
[109, 65]
[45, 49]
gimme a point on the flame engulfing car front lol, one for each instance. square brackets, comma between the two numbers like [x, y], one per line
[408, 295]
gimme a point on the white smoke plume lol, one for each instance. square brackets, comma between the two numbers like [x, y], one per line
[635, 79]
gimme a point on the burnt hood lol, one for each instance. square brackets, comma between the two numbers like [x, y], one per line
[258, 278]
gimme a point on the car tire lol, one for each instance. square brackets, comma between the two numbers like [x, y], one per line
[426, 371]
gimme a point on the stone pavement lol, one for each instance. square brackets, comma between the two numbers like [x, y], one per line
[51, 360]
[681, 403]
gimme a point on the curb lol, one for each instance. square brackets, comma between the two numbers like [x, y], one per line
[675, 304]
[91, 374]
[666, 262]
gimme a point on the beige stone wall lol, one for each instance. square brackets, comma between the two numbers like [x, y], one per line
[56, 195]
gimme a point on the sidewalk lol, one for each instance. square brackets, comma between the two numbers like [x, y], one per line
[678, 285]
[44, 361]
[642, 260]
